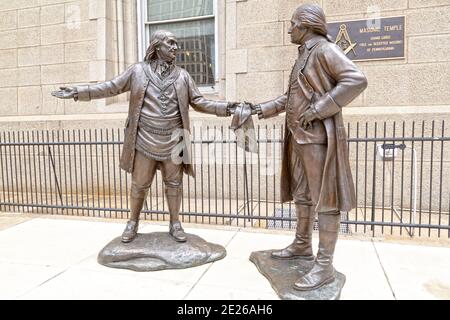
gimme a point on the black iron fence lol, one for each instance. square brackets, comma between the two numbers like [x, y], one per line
[401, 173]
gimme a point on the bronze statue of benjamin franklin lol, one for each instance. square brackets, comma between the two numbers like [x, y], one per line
[315, 167]
[161, 93]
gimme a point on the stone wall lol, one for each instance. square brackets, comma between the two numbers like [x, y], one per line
[45, 44]
[48, 43]
[259, 55]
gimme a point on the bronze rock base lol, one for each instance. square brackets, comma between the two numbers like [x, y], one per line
[159, 251]
[282, 274]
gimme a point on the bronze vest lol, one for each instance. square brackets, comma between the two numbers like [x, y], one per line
[297, 103]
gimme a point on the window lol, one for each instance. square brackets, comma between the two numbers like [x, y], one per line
[193, 23]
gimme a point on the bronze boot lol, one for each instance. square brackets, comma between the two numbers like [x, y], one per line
[132, 226]
[174, 195]
[177, 231]
[301, 248]
[322, 271]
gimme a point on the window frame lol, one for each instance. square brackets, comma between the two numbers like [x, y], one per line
[143, 37]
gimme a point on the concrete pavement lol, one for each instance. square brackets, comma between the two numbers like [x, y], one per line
[54, 257]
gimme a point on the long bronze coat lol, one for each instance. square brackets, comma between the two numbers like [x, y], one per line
[334, 81]
[136, 79]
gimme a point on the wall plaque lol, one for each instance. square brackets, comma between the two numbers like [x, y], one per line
[370, 39]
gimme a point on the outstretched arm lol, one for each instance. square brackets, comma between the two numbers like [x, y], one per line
[66, 93]
[271, 108]
[118, 85]
[201, 104]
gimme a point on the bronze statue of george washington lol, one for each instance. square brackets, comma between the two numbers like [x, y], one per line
[315, 170]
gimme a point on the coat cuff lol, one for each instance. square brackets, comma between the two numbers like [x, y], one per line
[268, 109]
[222, 109]
[326, 107]
[83, 93]
[259, 111]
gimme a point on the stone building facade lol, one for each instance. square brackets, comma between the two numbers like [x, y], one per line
[259, 55]
[45, 44]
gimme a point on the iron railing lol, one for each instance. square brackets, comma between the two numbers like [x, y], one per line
[400, 170]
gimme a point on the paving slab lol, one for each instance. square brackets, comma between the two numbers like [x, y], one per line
[237, 274]
[244, 243]
[55, 258]
[77, 283]
[365, 278]
[211, 234]
[54, 242]
[213, 292]
[416, 272]
[19, 279]
[10, 220]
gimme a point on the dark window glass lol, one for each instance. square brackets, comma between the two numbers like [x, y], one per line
[158, 10]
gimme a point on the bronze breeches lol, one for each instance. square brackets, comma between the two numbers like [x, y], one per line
[306, 164]
[144, 172]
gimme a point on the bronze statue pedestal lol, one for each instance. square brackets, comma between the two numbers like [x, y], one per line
[159, 251]
[282, 275]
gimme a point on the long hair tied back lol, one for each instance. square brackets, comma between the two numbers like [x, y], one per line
[312, 16]
[156, 39]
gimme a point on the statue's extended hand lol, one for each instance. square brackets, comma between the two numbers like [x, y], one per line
[232, 107]
[65, 93]
[253, 106]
